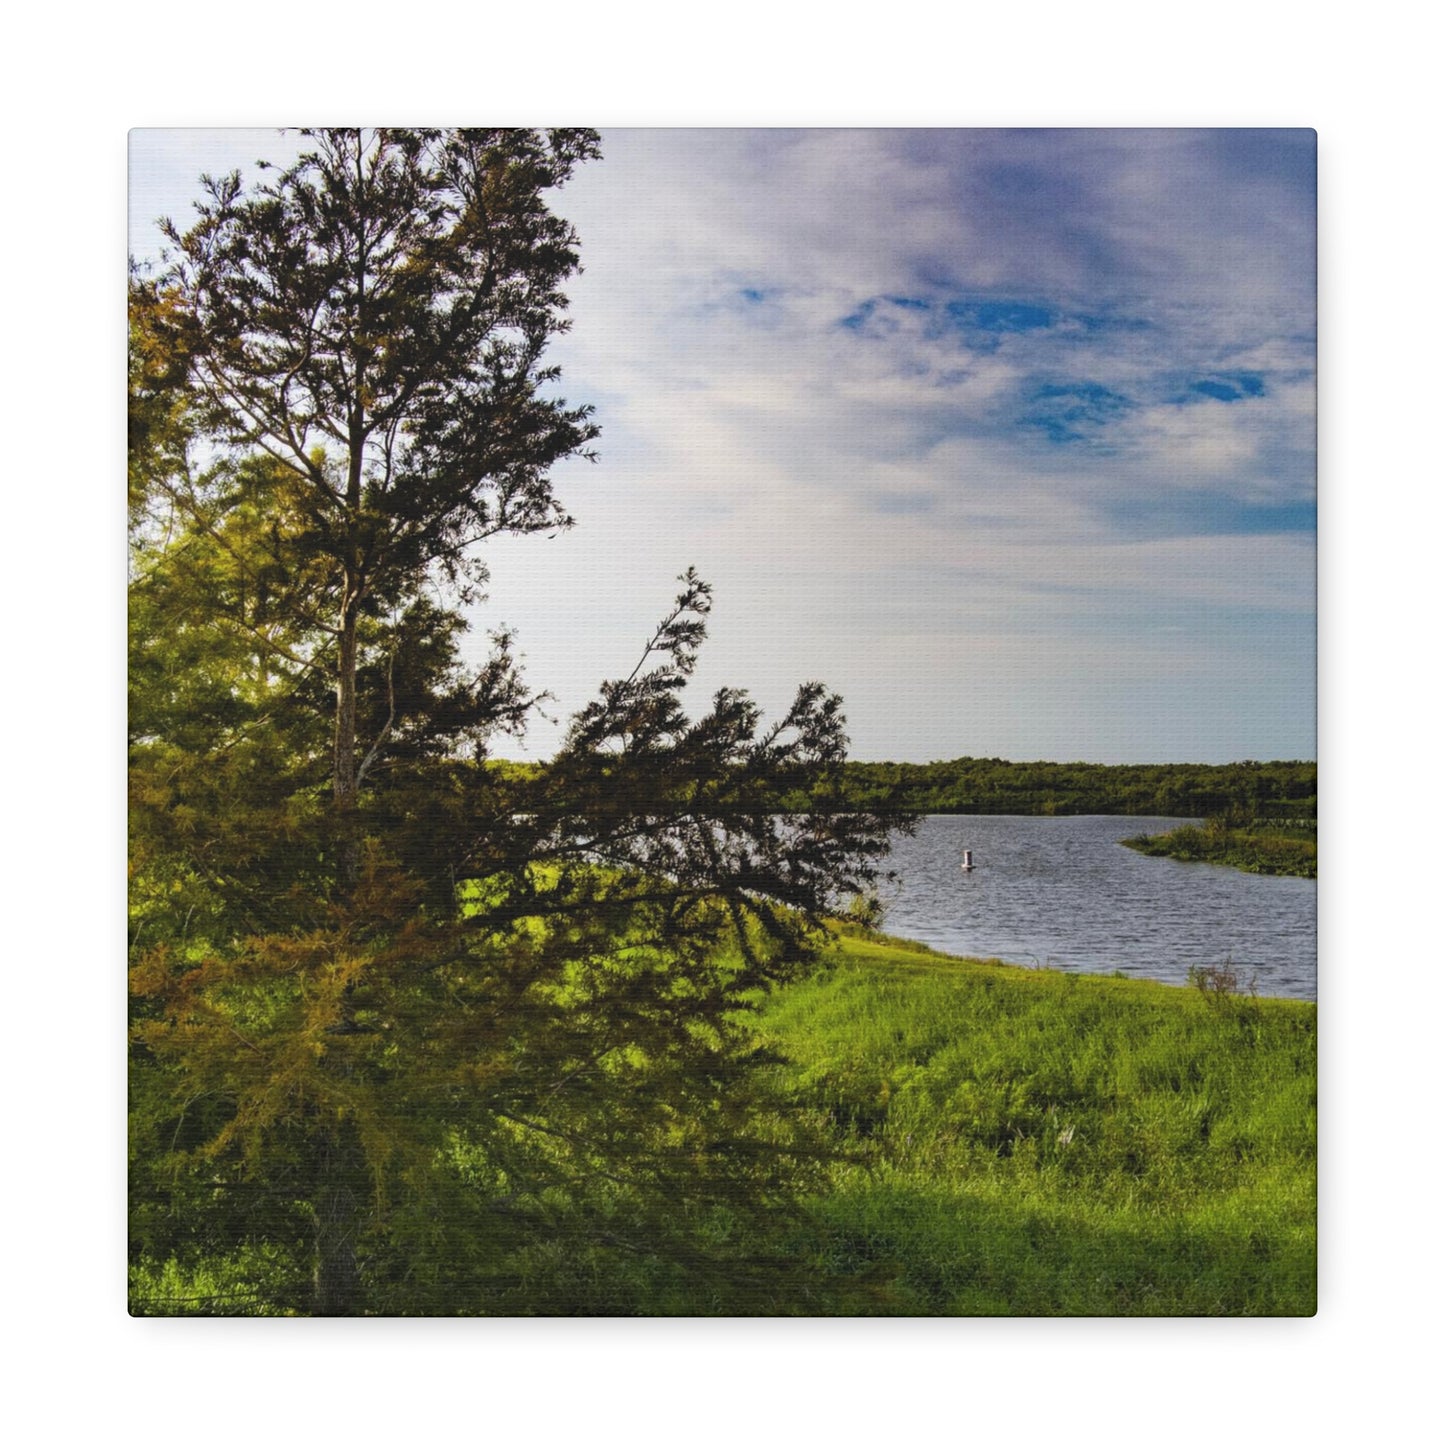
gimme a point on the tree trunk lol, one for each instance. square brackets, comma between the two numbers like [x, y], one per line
[339, 1206]
[343, 755]
[341, 1184]
[343, 758]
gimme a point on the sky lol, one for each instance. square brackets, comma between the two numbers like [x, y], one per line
[1006, 435]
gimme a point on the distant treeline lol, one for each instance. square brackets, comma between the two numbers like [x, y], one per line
[1236, 792]
[991, 785]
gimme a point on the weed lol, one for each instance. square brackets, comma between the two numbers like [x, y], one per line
[1220, 981]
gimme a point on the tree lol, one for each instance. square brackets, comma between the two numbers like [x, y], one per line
[374, 320]
[401, 1011]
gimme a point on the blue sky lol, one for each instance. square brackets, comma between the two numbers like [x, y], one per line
[1006, 435]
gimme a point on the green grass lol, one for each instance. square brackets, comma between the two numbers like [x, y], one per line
[1000, 1141]
[1286, 848]
[1027, 1142]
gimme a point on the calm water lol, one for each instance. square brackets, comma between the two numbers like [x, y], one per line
[1062, 893]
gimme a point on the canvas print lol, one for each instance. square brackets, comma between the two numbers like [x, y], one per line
[722, 722]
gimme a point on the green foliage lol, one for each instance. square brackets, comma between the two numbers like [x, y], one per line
[249, 1282]
[521, 1022]
[405, 1019]
[358, 344]
[1276, 847]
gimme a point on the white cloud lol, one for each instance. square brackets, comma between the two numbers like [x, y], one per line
[882, 505]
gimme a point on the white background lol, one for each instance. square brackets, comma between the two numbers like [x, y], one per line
[79, 1366]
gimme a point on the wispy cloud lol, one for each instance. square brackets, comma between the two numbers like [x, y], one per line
[946, 415]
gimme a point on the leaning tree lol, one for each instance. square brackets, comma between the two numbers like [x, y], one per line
[406, 1017]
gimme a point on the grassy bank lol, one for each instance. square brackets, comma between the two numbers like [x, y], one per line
[1261, 847]
[1028, 1142]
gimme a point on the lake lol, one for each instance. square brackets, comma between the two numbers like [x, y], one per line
[1062, 893]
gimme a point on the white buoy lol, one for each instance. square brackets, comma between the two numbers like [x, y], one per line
[967, 864]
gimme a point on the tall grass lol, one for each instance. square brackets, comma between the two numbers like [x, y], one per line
[1025, 1142]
